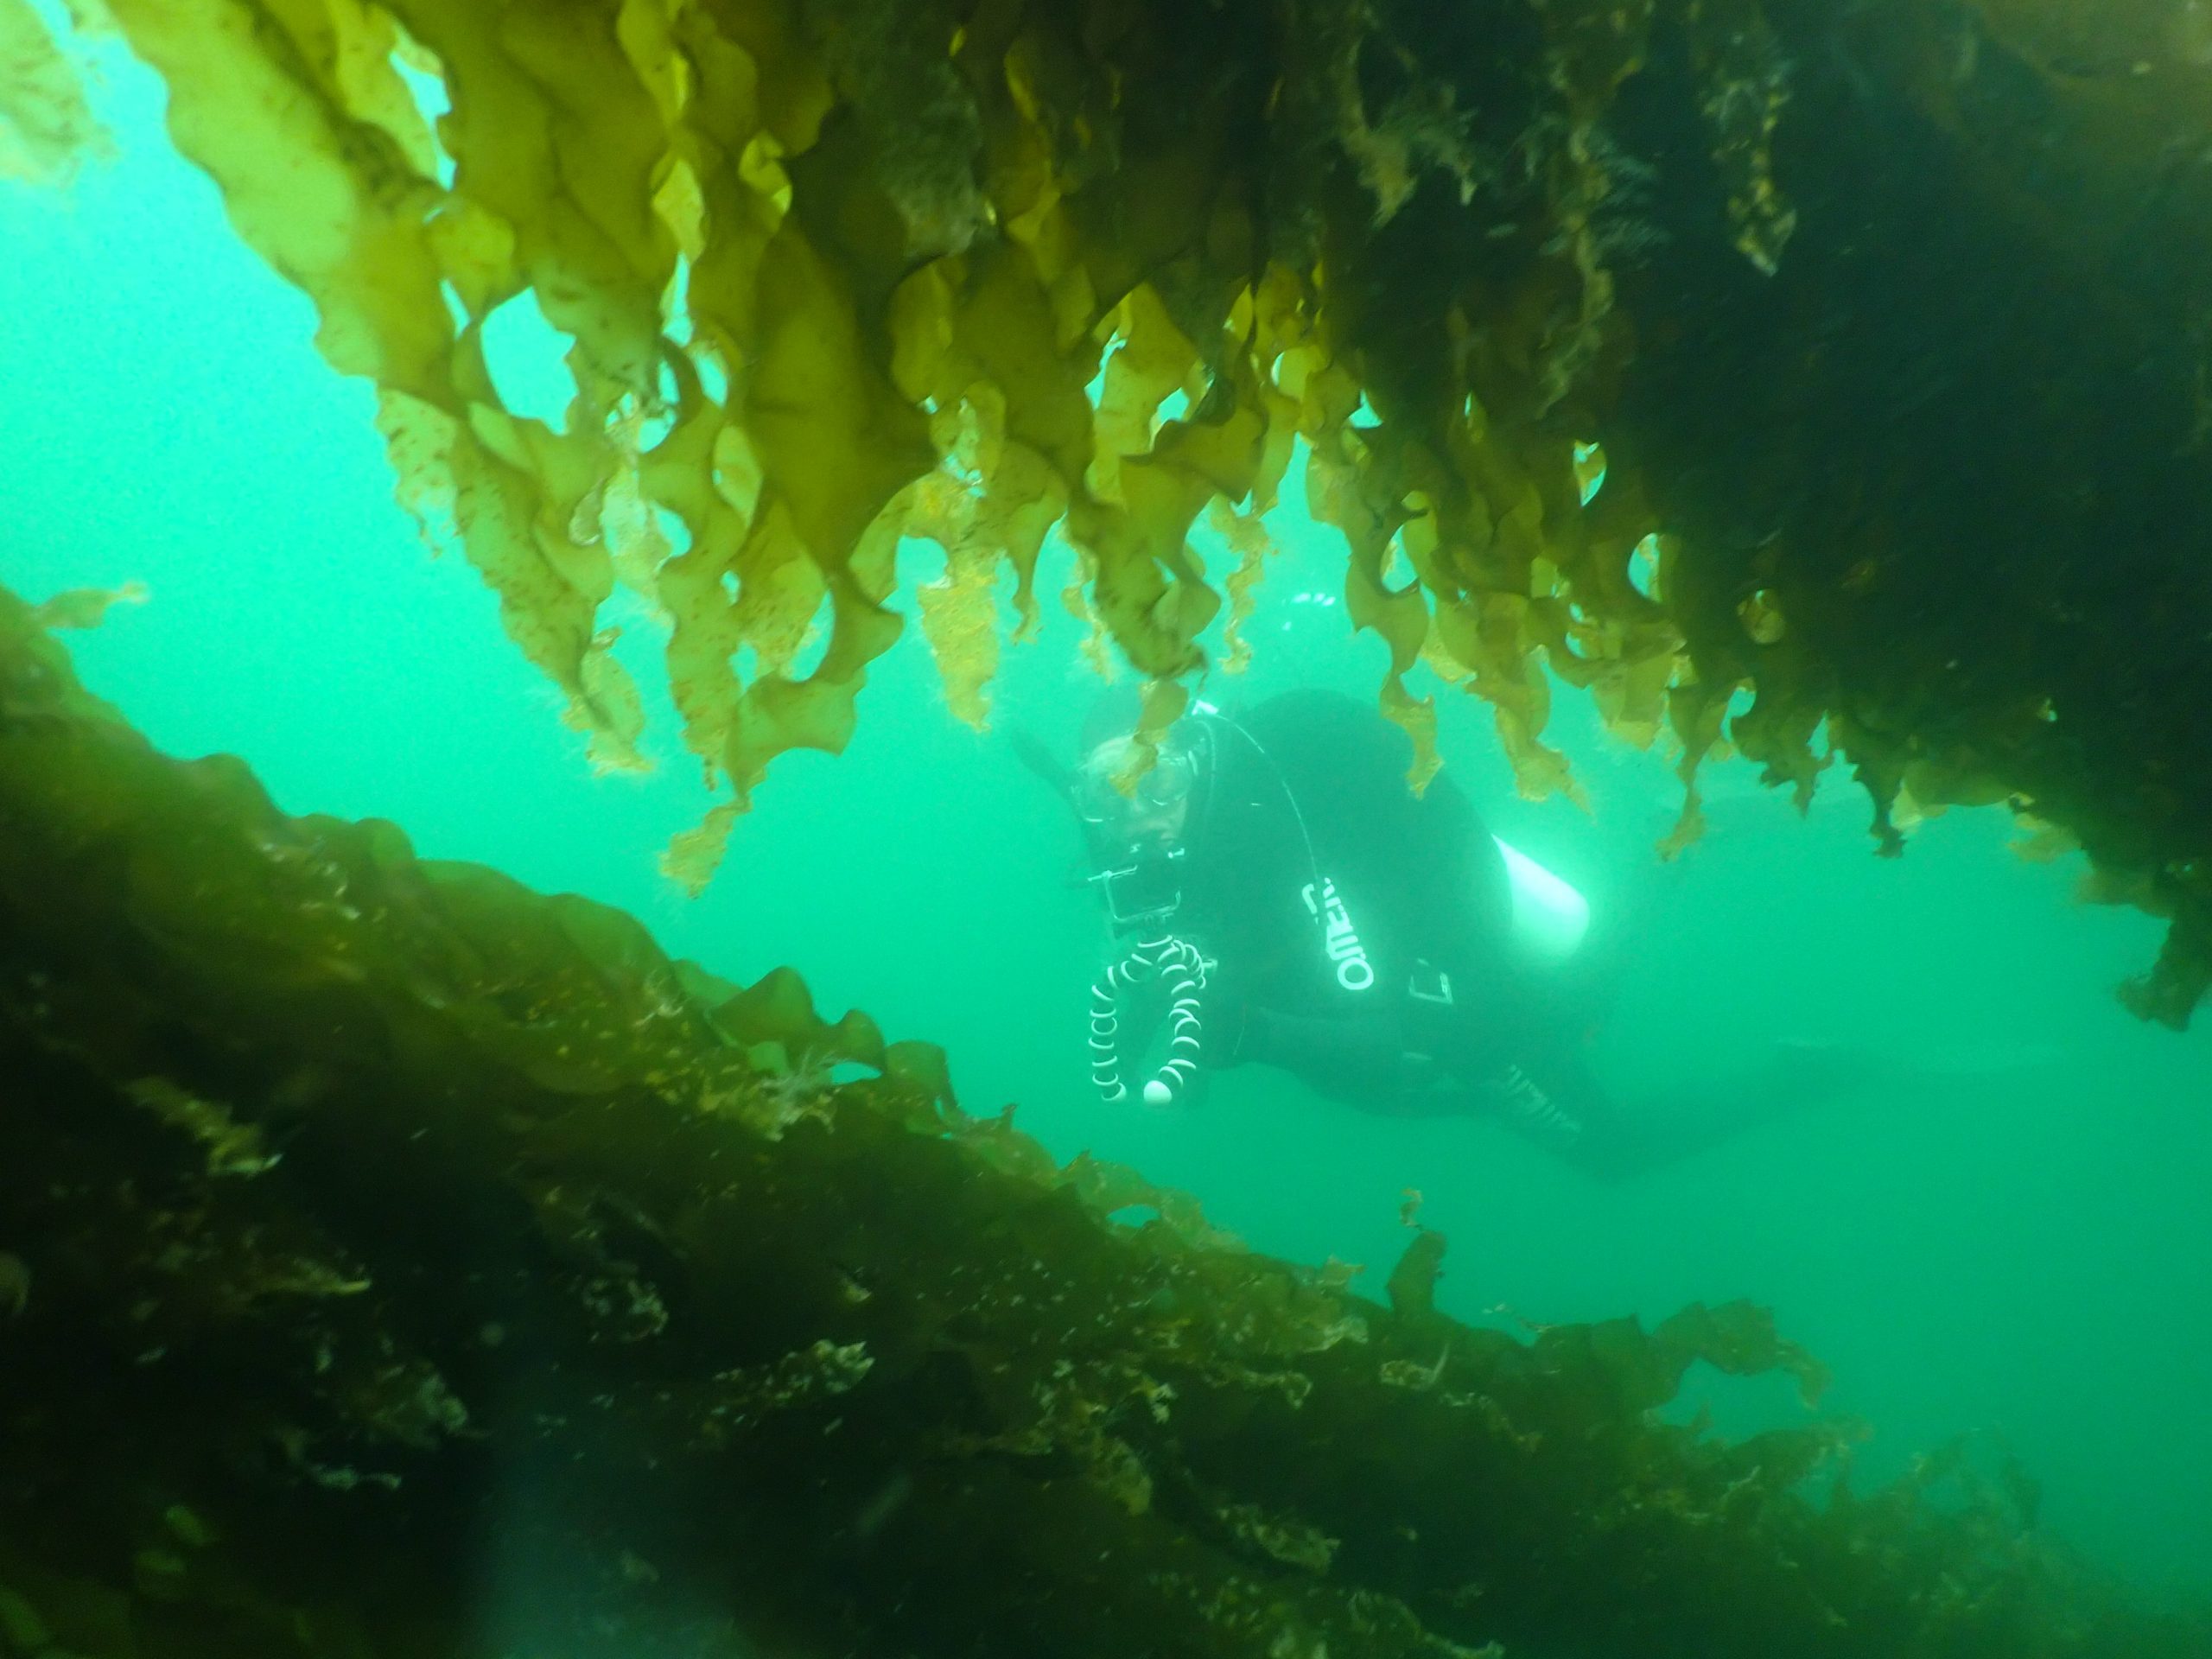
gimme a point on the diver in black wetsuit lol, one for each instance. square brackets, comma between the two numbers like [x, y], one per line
[1307, 911]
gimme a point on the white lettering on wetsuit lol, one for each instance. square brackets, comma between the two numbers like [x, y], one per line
[1532, 1108]
[1354, 971]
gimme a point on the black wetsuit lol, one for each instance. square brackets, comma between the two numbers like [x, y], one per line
[1362, 942]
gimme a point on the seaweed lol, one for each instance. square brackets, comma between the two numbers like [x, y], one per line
[46, 125]
[1936, 477]
[398, 1260]
[1680, 348]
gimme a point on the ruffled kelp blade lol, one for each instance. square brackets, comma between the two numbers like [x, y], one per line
[1847, 368]
[400, 1261]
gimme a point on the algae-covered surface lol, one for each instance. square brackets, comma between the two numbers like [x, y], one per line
[1851, 359]
[402, 1262]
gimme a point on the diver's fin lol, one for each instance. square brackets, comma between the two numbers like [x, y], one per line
[1828, 1068]
[1972, 1061]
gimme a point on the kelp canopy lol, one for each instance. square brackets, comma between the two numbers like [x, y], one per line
[1878, 330]
[394, 1262]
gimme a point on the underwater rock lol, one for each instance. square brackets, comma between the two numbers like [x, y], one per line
[425, 1266]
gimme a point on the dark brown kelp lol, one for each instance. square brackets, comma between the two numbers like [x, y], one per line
[398, 1262]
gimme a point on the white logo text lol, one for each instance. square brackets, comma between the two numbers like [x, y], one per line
[1354, 971]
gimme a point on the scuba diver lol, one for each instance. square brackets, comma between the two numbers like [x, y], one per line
[1283, 897]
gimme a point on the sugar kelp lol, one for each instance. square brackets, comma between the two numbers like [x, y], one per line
[1852, 358]
[396, 1261]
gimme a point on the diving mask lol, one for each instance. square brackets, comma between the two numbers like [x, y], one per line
[1164, 785]
[1137, 834]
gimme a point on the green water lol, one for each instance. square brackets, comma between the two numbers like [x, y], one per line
[2013, 1247]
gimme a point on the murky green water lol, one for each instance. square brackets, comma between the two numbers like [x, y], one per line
[2012, 1245]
